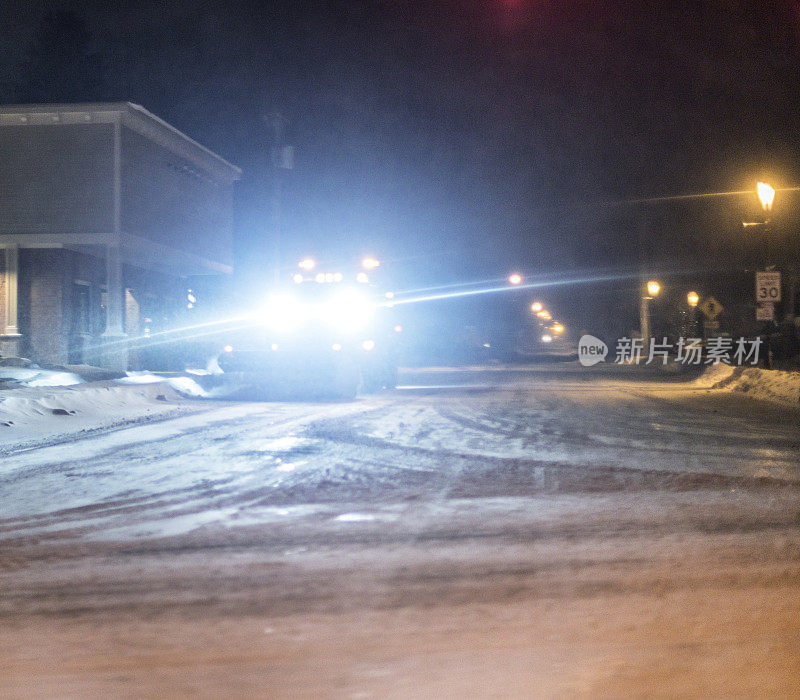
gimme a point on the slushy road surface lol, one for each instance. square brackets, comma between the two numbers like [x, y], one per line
[536, 531]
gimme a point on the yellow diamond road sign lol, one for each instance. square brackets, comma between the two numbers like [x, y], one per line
[711, 308]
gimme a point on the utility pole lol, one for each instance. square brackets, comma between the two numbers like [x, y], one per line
[644, 311]
[644, 319]
[281, 158]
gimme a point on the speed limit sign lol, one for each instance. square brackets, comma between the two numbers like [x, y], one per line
[768, 286]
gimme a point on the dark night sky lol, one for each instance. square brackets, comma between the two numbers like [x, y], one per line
[462, 132]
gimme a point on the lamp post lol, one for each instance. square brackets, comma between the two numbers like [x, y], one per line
[650, 291]
[693, 299]
[766, 195]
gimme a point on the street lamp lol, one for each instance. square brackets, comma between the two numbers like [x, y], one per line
[693, 299]
[515, 278]
[536, 307]
[766, 195]
[650, 291]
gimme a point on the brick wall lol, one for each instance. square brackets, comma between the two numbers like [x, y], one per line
[47, 308]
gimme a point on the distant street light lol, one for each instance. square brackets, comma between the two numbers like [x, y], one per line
[557, 328]
[544, 314]
[515, 278]
[536, 307]
[693, 298]
[653, 288]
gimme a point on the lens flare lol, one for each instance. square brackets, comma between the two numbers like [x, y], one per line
[348, 310]
[283, 313]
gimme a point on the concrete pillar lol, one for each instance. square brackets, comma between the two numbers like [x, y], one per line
[10, 338]
[114, 353]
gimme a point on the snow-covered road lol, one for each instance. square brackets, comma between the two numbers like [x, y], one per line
[485, 518]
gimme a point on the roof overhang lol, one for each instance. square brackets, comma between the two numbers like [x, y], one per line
[129, 115]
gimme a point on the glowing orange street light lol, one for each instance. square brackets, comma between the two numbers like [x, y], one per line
[766, 195]
[515, 278]
[693, 298]
[653, 288]
[536, 307]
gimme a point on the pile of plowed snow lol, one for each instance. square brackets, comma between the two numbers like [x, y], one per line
[715, 376]
[40, 404]
[767, 384]
[18, 372]
[36, 414]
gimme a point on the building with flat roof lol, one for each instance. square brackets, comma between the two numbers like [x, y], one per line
[105, 212]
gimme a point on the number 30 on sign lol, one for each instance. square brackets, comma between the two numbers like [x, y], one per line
[768, 286]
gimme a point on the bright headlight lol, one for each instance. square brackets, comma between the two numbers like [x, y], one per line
[284, 313]
[348, 311]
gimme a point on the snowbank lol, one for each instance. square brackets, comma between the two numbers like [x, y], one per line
[21, 373]
[41, 404]
[18, 372]
[35, 414]
[768, 384]
[36, 376]
[714, 376]
[765, 384]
